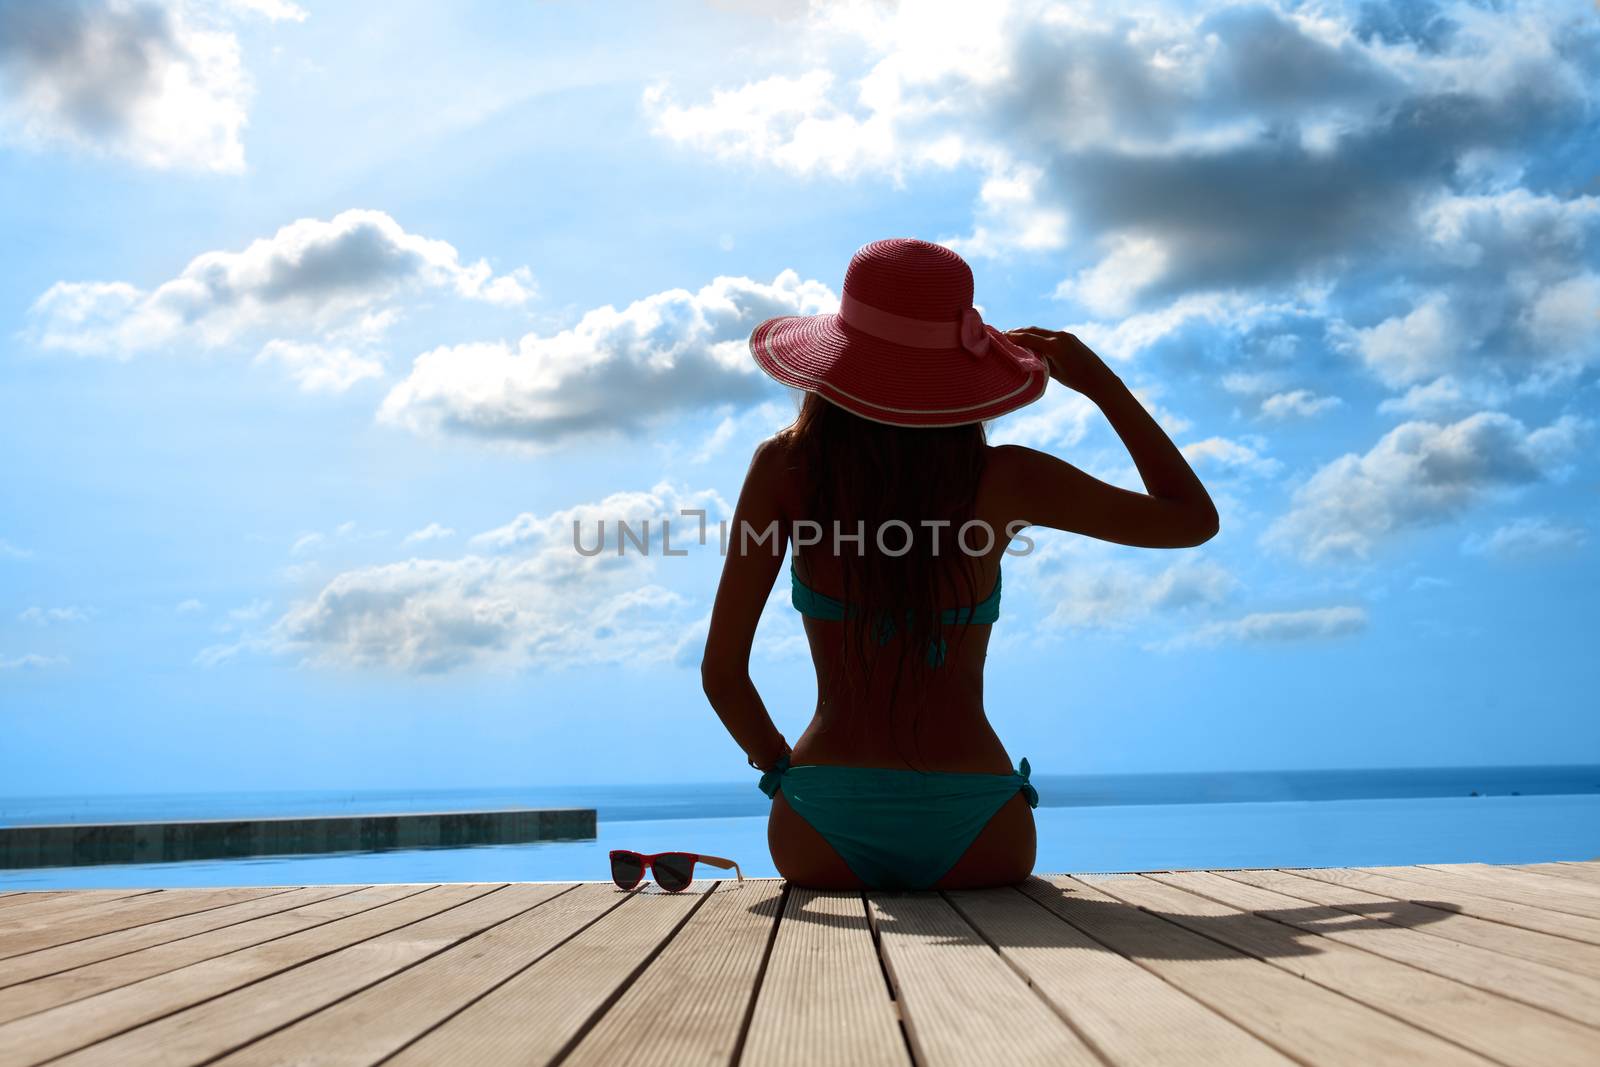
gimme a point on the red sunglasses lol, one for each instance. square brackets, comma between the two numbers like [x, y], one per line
[673, 870]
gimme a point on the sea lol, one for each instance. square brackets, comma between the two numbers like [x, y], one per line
[1086, 824]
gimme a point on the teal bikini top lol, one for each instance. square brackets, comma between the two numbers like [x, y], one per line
[815, 605]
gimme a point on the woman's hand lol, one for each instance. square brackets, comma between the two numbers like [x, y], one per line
[1071, 362]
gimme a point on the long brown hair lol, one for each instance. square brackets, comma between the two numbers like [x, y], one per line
[870, 473]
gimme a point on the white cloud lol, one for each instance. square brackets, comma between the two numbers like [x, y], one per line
[11, 551]
[213, 655]
[343, 534]
[614, 372]
[1422, 343]
[1419, 474]
[319, 368]
[1110, 286]
[758, 422]
[431, 532]
[240, 620]
[1527, 537]
[1090, 590]
[1226, 313]
[1160, 153]
[30, 661]
[1274, 626]
[717, 439]
[274, 10]
[317, 294]
[189, 606]
[38, 616]
[935, 58]
[1297, 404]
[1517, 273]
[1060, 418]
[1466, 229]
[435, 615]
[785, 120]
[1250, 383]
[1156, 126]
[598, 524]
[1220, 453]
[526, 597]
[305, 543]
[780, 634]
[1444, 396]
[250, 612]
[1012, 218]
[1564, 320]
[143, 81]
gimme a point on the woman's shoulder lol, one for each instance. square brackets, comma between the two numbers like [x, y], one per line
[777, 465]
[999, 463]
[776, 457]
[1009, 480]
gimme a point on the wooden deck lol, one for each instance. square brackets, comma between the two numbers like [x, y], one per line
[1461, 964]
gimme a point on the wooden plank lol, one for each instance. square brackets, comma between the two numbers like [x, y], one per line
[958, 999]
[65, 905]
[1591, 864]
[537, 1014]
[119, 915]
[1500, 1029]
[1587, 873]
[824, 999]
[1307, 1022]
[1100, 992]
[1570, 995]
[1494, 909]
[216, 1027]
[75, 984]
[40, 896]
[378, 1021]
[35, 896]
[1572, 956]
[48, 961]
[1500, 886]
[83, 1022]
[1513, 876]
[689, 1008]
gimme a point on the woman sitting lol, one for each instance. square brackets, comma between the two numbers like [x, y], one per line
[898, 514]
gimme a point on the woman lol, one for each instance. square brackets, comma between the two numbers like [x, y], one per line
[899, 514]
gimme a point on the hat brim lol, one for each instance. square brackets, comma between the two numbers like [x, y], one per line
[898, 384]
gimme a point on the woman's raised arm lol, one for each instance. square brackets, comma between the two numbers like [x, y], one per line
[1175, 512]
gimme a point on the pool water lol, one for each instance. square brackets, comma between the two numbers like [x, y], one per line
[1106, 837]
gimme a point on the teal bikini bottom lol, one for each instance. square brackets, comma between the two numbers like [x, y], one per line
[896, 829]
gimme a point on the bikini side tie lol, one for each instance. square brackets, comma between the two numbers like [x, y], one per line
[1028, 790]
[769, 780]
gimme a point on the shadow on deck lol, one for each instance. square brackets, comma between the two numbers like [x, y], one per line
[1462, 963]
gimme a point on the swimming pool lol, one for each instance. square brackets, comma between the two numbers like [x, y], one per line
[1297, 833]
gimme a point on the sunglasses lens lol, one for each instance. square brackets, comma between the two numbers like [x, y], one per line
[626, 869]
[673, 871]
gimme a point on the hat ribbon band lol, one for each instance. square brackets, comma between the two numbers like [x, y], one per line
[898, 329]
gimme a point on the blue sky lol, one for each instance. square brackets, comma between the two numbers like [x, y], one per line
[319, 328]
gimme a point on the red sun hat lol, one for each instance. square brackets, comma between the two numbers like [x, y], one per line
[906, 346]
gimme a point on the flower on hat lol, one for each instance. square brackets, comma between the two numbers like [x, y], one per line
[974, 338]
